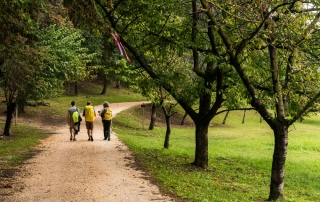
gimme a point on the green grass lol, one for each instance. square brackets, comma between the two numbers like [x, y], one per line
[240, 157]
[17, 148]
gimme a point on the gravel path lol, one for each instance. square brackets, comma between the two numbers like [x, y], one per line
[82, 170]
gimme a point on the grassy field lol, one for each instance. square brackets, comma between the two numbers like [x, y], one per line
[239, 154]
[240, 158]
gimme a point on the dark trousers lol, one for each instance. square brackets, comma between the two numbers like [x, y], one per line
[106, 129]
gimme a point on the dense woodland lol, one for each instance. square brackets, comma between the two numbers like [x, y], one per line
[205, 55]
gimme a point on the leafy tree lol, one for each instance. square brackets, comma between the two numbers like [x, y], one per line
[65, 58]
[18, 32]
[36, 59]
[155, 44]
[272, 46]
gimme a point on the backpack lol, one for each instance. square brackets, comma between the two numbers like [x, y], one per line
[89, 113]
[106, 114]
[75, 117]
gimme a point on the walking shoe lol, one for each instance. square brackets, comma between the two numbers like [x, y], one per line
[91, 138]
[105, 138]
[74, 139]
[70, 138]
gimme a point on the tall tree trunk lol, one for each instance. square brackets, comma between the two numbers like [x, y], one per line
[104, 89]
[201, 153]
[11, 107]
[278, 162]
[153, 116]
[168, 132]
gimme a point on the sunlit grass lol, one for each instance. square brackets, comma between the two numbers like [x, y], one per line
[240, 157]
[18, 147]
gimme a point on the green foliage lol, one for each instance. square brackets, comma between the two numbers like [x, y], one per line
[64, 56]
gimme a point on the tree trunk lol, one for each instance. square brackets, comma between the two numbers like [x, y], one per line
[104, 89]
[225, 118]
[21, 103]
[184, 118]
[278, 162]
[118, 84]
[153, 116]
[201, 154]
[168, 132]
[76, 88]
[244, 116]
[11, 107]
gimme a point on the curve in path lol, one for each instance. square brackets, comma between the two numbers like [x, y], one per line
[85, 171]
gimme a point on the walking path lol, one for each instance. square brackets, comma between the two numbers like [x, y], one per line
[98, 171]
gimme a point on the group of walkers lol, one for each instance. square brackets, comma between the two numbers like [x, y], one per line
[89, 113]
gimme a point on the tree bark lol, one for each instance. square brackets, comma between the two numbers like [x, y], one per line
[11, 107]
[225, 118]
[168, 132]
[153, 116]
[118, 85]
[278, 163]
[201, 153]
[184, 118]
[76, 88]
[104, 88]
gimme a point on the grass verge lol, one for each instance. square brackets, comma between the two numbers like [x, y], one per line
[240, 157]
[16, 148]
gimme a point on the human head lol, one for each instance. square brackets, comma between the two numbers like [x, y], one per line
[88, 103]
[73, 103]
[105, 104]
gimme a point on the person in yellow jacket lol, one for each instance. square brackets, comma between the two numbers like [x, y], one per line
[89, 114]
[106, 115]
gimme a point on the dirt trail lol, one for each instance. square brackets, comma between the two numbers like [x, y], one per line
[82, 170]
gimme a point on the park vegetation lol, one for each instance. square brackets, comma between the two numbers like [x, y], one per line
[206, 56]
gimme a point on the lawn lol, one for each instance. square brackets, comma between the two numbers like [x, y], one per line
[240, 157]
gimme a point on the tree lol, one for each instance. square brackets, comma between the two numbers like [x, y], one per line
[277, 63]
[155, 45]
[37, 59]
[17, 35]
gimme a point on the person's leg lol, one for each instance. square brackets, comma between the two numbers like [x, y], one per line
[105, 129]
[74, 134]
[91, 132]
[108, 129]
[88, 129]
[70, 129]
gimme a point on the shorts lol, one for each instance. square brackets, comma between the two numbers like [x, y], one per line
[89, 125]
[71, 125]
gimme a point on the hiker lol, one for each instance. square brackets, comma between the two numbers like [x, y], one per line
[89, 113]
[70, 120]
[106, 116]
